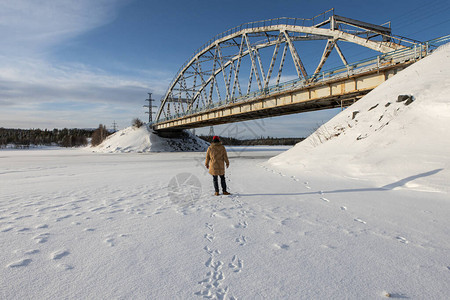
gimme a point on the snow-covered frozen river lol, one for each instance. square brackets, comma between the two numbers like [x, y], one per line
[82, 225]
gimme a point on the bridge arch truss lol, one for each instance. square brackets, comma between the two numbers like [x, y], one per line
[254, 55]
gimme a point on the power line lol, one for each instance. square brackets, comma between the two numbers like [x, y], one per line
[423, 16]
[415, 12]
[431, 26]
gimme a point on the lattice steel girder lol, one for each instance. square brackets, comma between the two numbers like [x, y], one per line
[272, 61]
[297, 61]
[341, 55]
[326, 52]
[198, 73]
[237, 69]
[321, 95]
[252, 58]
[179, 100]
[192, 89]
[310, 33]
[283, 57]
[227, 89]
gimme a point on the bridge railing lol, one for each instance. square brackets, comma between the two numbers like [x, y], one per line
[415, 52]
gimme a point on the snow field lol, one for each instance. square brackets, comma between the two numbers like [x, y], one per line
[80, 225]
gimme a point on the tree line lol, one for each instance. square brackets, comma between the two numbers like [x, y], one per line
[24, 138]
[261, 141]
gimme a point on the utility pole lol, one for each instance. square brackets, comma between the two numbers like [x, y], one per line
[150, 106]
[114, 126]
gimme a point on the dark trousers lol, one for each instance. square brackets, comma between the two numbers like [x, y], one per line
[222, 182]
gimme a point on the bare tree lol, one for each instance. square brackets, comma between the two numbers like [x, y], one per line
[99, 135]
[137, 123]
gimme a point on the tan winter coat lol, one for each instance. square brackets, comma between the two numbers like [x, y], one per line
[216, 158]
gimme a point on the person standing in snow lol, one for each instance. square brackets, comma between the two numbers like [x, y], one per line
[216, 158]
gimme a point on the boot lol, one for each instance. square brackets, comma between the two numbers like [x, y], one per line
[226, 193]
[216, 194]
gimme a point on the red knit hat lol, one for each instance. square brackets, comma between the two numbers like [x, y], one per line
[216, 138]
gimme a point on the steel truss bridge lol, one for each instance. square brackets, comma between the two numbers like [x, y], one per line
[238, 75]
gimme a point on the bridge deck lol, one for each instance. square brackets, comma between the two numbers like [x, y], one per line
[333, 93]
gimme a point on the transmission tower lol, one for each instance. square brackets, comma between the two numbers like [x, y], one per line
[114, 126]
[211, 131]
[150, 106]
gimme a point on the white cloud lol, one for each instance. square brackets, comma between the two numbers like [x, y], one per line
[28, 27]
[35, 92]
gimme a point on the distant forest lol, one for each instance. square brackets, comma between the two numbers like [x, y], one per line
[24, 138]
[262, 141]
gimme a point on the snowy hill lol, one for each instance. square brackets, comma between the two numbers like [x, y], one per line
[133, 139]
[387, 137]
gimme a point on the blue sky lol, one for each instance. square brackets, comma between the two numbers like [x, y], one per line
[84, 62]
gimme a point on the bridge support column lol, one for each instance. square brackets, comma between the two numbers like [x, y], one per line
[174, 133]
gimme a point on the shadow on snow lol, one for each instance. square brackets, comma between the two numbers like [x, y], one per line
[387, 187]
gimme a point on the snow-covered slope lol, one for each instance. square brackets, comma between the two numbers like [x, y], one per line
[384, 139]
[133, 139]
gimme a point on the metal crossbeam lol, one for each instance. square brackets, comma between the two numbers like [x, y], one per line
[272, 62]
[362, 25]
[328, 48]
[297, 61]
[280, 69]
[252, 58]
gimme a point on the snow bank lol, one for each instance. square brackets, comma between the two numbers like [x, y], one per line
[142, 139]
[385, 139]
